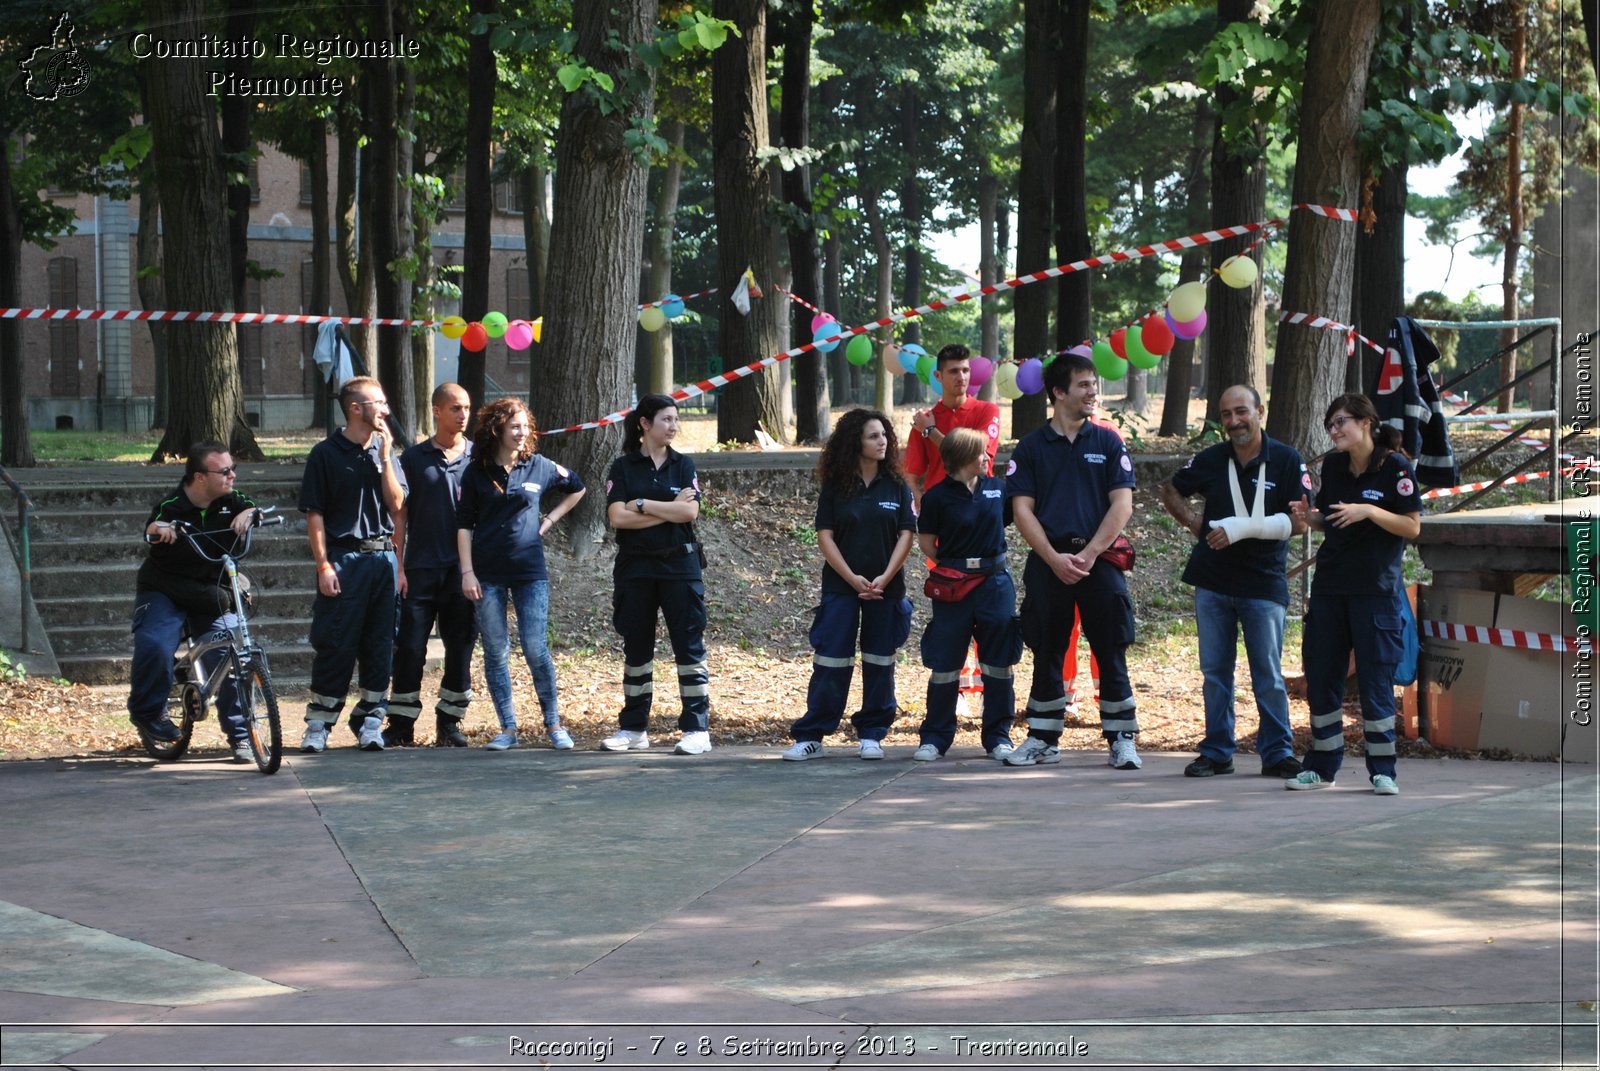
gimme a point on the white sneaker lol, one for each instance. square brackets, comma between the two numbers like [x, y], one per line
[316, 738]
[693, 744]
[801, 750]
[1123, 754]
[925, 753]
[1001, 750]
[871, 749]
[370, 735]
[1384, 785]
[1034, 752]
[560, 739]
[626, 740]
[504, 741]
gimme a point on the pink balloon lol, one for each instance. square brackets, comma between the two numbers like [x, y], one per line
[519, 334]
[819, 319]
[1082, 349]
[982, 369]
[891, 358]
[1187, 328]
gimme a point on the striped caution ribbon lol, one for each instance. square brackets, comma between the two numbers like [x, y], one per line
[1502, 637]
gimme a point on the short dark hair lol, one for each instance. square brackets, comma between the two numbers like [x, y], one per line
[199, 454]
[648, 407]
[1059, 374]
[953, 352]
[1254, 394]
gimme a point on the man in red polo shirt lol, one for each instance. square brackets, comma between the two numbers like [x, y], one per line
[955, 409]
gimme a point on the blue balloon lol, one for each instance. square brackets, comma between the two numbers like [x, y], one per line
[826, 337]
[672, 306]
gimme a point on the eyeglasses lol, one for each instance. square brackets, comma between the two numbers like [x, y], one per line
[369, 401]
[229, 471]
[1338, 422]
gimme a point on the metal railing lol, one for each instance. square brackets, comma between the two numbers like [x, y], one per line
[25, 551]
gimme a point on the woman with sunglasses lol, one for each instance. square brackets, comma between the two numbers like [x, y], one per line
[1368, 507]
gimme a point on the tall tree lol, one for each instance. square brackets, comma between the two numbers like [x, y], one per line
[1041, 52]
[475, 257]
[739, 134]
[659, 256]
[1309, 367]
[389, 245]
[1075, 292]
[1197, 190]
[805, 261]
[203, 356]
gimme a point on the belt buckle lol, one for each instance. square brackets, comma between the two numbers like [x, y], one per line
[974, 563]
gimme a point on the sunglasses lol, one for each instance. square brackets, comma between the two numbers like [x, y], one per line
[229, 471]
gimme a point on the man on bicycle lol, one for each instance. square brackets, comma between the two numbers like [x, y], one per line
[177, 586]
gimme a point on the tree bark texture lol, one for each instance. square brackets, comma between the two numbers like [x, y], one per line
[147, 254]
[659, 259]
[354, 241]
[1236, 329]
[743, 194]
[1380, 274]
[1309, 368]
[321, 256]
[810, 373]
[911, 210]
[1510, 272]
[472, 369]
[16, 445]
[586, 360]
[1197, 194]
[1041, 50]
[236, 111]
[988, 274]
[883, 377]
[535, 236]
[1074, 319]
[394, 350]
[203, 359]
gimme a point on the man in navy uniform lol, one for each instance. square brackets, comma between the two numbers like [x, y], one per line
[430, 577]
[350, 494]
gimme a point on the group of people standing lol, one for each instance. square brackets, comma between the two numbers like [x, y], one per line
[451, 533]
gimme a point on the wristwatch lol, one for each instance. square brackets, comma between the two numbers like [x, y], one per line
[639, 505]
[927, 432]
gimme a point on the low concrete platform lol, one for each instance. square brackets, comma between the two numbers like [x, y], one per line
[428, 908]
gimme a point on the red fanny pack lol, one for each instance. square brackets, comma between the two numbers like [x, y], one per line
[945, 584]
[1120, 553]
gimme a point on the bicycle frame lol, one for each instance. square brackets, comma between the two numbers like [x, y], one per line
[243, 652]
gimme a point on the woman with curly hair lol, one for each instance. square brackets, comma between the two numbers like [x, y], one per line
[865, 521]
[1368, 507]
[500, 535]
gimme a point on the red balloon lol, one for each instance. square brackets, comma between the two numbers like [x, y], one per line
[1119, 342]
[1158, 337]
[474, 338]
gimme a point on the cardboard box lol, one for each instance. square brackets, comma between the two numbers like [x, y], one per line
[1526, 693]
[1452, 676]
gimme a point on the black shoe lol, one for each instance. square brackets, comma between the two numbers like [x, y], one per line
[400, 732]
[447, 732]
[160, 728]
[1285, 768]
[1204, 767]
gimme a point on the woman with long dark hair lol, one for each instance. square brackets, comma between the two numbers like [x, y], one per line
[652, 501]
[1367, 507]
[500, 537]
[865, 521]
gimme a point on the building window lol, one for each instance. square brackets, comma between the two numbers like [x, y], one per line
[456, 188]
[64, 372]
[508, 196]
[305, 183]
[251, 368]
[253, 172]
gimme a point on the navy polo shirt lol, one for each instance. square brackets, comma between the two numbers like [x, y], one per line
[1250, 568]
[434, 485]
[650, 553]
[967, 524]
[866, 525]
[501, 508]
[1363, 559]
[344, 483]
[1069, 480]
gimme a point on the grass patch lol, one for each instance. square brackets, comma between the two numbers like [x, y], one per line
[98, 447]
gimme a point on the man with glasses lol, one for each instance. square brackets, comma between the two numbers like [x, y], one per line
[1237, 567]
[351, 492]
[177, 586]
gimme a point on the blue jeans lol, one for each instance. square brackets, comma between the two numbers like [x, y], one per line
[1219, 618]
[157, 629]
[531, 598]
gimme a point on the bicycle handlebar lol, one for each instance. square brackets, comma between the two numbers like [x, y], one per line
[264, 518]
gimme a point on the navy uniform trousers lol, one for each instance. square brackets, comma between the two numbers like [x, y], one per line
[1100, 601]
[1336, 625]
[985, 615]
[434, 594]
[682, 603]
[355, 626]
[883, 625]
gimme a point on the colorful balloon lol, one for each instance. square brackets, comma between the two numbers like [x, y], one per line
[1155, 335]
[1138, 355]
[819, 319]
[1082, 349]
[494, 324]
[1238, 271]
[826, 336]
[1030, 377]
[910, 354]
[1188, 301]
[538, 329]
[452, 327]
[474, 338]
[1187, 328]
[519, 334]
[924, 371]
[1107, 363]
[1005, 381]
[652, 319]
[891, 359]
[858, 350]
[1119, 342]
[672, 306]
[982, 369]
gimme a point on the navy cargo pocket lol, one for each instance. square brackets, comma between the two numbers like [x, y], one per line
[902, 623]
[1387, 643]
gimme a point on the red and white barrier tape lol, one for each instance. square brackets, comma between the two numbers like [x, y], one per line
[1351, 334]
[204, 317]
[1501, 637]
[798, 300]
[1467, 488]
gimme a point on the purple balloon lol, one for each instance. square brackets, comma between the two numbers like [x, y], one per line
[982, 369]
[1082, 349]
[1030, 377]
[1187, 328]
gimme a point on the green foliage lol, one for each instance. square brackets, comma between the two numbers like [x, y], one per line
[1209, 433]
[1128, 425]
[11, 672]
[804, 534]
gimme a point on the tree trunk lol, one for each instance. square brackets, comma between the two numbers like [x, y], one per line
[321, 281]
[911, 211]
[475, 259]
[1040, 58]
[394, 354]
[535, 237]
[1002, 246]
[743, 192]
[1510, 274]
[810, 374]
[1074, 320]
[353, 240]
[235, 111]
[147, 254]
[204, 357]
[850, 375]
[988, 273]
[590, 321]
[660, 380]
[883, 379]
[1197, 193]
[16, 446]
[1236, 347]
[1380, 274]
[1309, 368]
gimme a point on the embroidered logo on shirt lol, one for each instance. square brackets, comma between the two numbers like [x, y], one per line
[1011, 466]
[892, 506]
[1372, 496]
[994, 428]
[1405, 486]
[1305, 478]
[1095, 459]
[1127, 463]
[992, 492]
[536, 488]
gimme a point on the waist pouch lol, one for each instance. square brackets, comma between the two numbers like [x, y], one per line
[1119, 554]
[945, 584]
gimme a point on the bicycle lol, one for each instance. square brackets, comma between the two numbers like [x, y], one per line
[195, 690]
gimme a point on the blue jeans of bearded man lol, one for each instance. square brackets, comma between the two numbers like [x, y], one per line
[1219, 619]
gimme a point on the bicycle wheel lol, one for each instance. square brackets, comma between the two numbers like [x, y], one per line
[258, 704]
[184, 708]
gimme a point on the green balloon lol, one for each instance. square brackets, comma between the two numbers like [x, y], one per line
[858, 350]
[1138, 356]
[1106, 361]
[494, 324]
[925, 366]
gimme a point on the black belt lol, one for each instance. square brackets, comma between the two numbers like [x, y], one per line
[678, 550]
[974, 565]
[364, 546]
[1069, 543]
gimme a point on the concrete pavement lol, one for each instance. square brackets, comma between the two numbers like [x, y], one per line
[445, 908]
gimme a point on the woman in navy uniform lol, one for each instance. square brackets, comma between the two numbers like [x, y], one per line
[1368, 507]
[653, 500]
[865, 520]
[500, 539]
[963, 527]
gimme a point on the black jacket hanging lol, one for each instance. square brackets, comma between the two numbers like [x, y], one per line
[1408, 400]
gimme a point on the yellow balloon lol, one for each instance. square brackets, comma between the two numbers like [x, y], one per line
[1238, 271]
[1187, 302]
[538, 329]
[452, 327]
[1005, 381]
[651, 318]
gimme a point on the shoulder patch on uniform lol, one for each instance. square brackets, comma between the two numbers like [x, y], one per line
[1405, 486]
[562, 471]
[1189, 464]
[1011, 466]
[608, 487]
[1126, 463]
